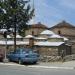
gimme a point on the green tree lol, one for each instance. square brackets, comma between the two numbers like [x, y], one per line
[15, 14]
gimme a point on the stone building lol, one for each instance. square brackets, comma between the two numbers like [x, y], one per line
[67, 30]
[35, 29]
[52, 45]
[47, 44]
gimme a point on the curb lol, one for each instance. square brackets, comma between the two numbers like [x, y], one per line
[35, 66]
[10, 64]
[52, 67]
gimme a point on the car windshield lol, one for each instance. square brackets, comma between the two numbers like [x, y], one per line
[19, 50]
[28, 50]
[24, 50]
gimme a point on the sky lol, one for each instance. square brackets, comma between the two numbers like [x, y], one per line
[51, 12]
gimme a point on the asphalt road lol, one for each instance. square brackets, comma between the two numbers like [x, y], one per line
[17, 70]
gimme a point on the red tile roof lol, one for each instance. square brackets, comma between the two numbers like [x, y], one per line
[39, 25]
[63, 24]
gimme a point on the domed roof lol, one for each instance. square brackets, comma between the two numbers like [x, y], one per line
[65, 39]
[55, 36]
[47, 32]
[39, 25]
[3, 30]
[29, 36]
[63, 24]
[8, 36]
[18, 36]
[40, 38]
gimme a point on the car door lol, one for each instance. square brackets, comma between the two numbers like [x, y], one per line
[16, 55]
[11, 56]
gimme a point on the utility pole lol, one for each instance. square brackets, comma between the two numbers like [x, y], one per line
[14, 32]
[15, 20]
[34, 9]
[5, 60]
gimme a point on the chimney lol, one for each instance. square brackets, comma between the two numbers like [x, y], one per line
[32, 33]
[39, 22]
[31, 40]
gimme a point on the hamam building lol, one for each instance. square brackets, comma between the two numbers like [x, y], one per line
[47, 42]
[67, 30]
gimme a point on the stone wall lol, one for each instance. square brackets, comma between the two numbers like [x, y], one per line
[69, 57]
[73, 48]
[47, 51]
[64, 31]
[9, 48]
[68, 33]
[36, 31]
[48, 54]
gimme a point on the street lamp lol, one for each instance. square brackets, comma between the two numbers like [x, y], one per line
[5, 60]
[5, 36]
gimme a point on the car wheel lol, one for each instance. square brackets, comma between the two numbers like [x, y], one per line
[19, 61]
[10, 60]
[34, 62]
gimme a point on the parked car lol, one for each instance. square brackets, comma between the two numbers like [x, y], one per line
[1, 55]
[22, 55]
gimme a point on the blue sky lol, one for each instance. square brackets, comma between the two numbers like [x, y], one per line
[51, 12]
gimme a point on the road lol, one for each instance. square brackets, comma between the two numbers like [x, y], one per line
[22, 70]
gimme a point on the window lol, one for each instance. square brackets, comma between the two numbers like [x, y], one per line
[59, 32]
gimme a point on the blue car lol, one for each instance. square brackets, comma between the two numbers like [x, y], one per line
[22, 55]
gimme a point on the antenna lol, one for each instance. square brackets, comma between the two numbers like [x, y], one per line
[33, 4]
[33, 7]
[33, 16]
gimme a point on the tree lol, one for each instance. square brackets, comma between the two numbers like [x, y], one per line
[16, 14]
[1, 12]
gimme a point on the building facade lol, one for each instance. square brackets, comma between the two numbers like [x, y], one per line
[67, 30]
[54, 42]
[35, 29]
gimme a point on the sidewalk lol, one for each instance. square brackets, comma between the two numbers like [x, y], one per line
[56, 65]
[51, 65]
